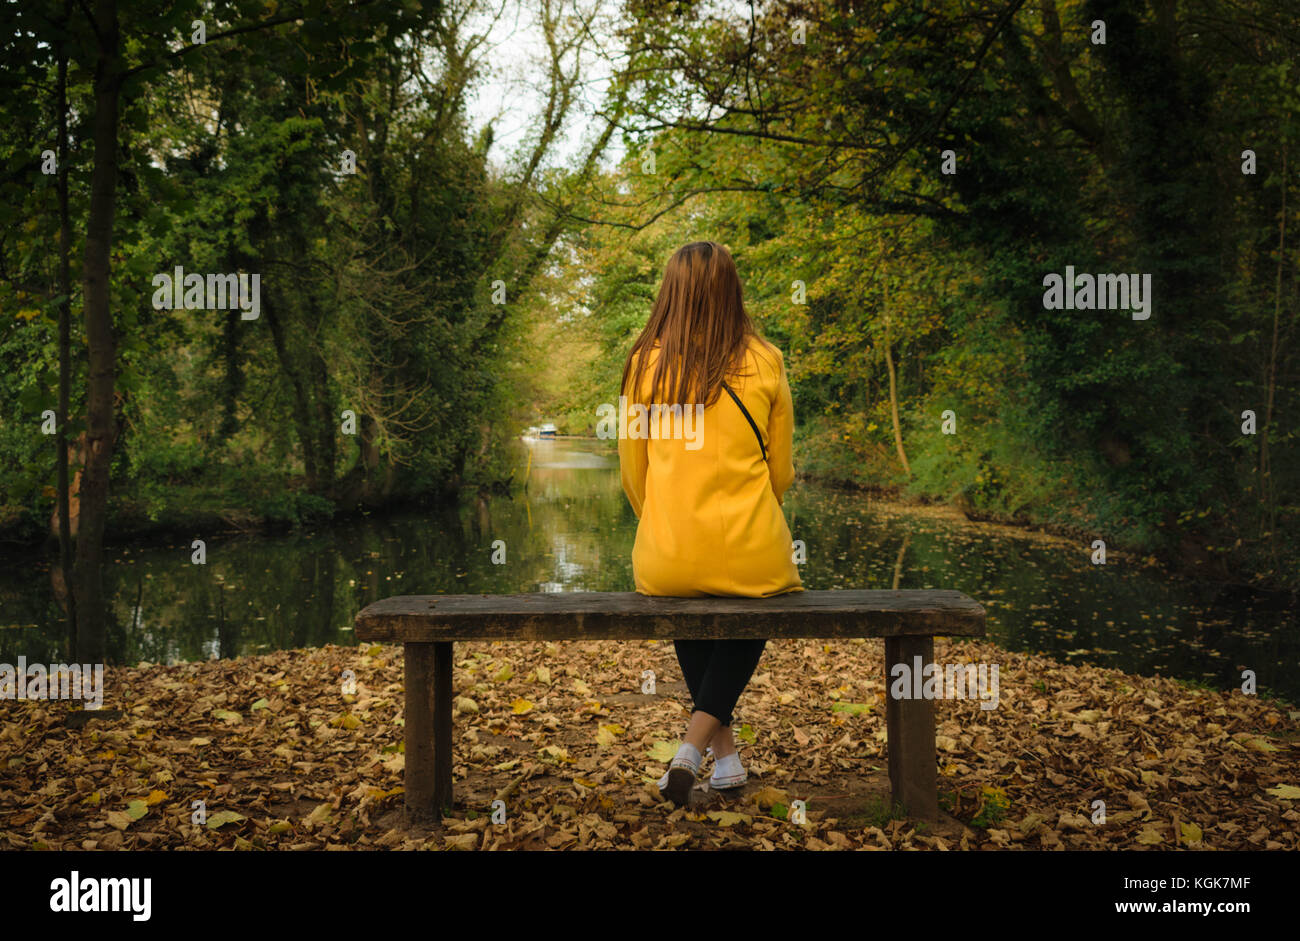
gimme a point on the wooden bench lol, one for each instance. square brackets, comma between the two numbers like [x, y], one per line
[428, 625]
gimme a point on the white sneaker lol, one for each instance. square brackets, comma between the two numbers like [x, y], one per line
[727, 773]
[676, 785]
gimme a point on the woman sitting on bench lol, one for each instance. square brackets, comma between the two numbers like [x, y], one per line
[710, 519]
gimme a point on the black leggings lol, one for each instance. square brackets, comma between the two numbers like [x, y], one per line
[716, 672]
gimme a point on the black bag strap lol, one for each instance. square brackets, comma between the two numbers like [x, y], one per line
[749, 418]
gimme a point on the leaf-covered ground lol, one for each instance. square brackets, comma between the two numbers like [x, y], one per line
[282, 759]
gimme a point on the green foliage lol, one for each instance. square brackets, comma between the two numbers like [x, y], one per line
[1116, 158]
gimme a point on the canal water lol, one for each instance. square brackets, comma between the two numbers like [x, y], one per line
[572, 530]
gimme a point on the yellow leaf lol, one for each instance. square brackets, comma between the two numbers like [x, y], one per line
[1191, 832]
[155, 797]
[604, 737]
[221, 818]
[520, 706]
[1259, 744]
[543, 675]
[556, 752]
[727, 818]
[1285, 791]
[662, 751]
[771, 795]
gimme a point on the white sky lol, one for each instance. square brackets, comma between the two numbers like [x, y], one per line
[513, 87]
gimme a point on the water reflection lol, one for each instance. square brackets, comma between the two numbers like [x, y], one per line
[572, 530]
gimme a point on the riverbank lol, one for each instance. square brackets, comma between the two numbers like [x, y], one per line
[561, 733]
[185, 511]
[1190, 563]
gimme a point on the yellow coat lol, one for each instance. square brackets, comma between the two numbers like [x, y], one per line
[709, 506]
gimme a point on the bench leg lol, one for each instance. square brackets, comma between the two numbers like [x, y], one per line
[910, 726]
[427, 779]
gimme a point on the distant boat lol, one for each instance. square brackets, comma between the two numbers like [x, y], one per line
[546, 431]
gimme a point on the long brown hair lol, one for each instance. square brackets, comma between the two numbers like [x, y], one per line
[700, 323]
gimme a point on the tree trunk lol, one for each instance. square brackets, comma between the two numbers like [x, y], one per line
[65, 346]
[1267, 491]
[302, 412]
[889, 362]
[100, 427]
[893, 405]
[325, 417]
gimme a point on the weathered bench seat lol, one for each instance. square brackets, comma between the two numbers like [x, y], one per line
[428, 625]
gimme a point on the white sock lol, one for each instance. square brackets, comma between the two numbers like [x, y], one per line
[689, 753]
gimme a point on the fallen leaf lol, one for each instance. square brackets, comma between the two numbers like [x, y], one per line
[662, 751]
[1150, 836]
[556, 753]
[851, 708]
[769, 796]
[221, 818]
